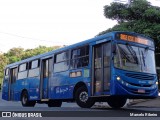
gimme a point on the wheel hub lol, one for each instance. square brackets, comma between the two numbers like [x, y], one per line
[83, 96]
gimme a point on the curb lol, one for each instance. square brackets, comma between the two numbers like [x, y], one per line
[136, 101]
[129, 102]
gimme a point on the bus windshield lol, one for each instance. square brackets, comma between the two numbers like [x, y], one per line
[133, 58]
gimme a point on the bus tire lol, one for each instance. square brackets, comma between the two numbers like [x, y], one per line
[25, 101]
[116, 102]
[54, 103]
[82, 98]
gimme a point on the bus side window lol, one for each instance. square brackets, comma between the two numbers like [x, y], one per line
[13, 75]
[23, 67]
[45, 68]
[61, 62]
[34, 68]
[34, 64]
[80, 57]
[22, 71]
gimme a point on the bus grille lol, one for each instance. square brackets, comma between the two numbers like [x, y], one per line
[140, 85]
[140, 76]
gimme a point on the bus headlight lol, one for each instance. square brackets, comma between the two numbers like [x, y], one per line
[156, 83]
[121, 81]
[118, 78]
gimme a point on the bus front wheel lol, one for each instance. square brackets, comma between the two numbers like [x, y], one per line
[82, 98]
[116, 102]
[25, 101]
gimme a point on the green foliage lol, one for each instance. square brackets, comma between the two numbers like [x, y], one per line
[39, 50]
[14, 54]
[140, 16]
[3, 63]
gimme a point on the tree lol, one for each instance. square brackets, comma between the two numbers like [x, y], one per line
[17, 54]
[140, 16]
[14, 54]
[3, 63]
[39, 50]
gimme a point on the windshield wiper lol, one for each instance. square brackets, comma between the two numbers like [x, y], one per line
[144, 55]
[146, 51]
[133, 53]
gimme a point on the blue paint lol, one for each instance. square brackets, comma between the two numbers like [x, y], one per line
[61, 85]
[45, 88]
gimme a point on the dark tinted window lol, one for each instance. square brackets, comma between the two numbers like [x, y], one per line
[13, 75]
[80, 57]
[46, 70]
[83, 51]
[98, 57]
[107, 54]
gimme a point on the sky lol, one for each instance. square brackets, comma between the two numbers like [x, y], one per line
[30, 23]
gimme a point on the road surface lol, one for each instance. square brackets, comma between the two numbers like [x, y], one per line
[150, 107]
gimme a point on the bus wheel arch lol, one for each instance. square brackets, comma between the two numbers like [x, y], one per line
[117, 102]
[78, 85]
[25, 99]
[81, 96]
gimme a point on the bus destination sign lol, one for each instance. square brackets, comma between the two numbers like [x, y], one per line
[136, 39]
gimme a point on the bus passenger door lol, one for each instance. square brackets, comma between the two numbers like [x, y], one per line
[12, 83]
[101, 68]
[46, 74]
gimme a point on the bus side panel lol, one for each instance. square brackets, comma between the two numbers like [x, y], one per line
[59, 88]
[29, 84]
[5, 88]
[21, 84]
[62, 85]
[33, 85]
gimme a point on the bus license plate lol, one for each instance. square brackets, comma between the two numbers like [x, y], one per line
[141, 91]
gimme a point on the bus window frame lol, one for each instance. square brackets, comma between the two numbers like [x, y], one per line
[30, 64]
[6, 69]
[25, 69]
[86, 45]
[30, 68]
[67, 60]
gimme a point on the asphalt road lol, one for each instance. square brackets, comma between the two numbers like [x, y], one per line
[71, 109]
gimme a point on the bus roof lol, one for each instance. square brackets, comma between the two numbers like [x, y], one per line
[49, 54]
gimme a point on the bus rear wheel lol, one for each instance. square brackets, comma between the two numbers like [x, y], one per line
[25, 101]
[82, 98]
[116, 102]
[54, 103]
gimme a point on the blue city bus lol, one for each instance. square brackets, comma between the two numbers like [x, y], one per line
[109, 68]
